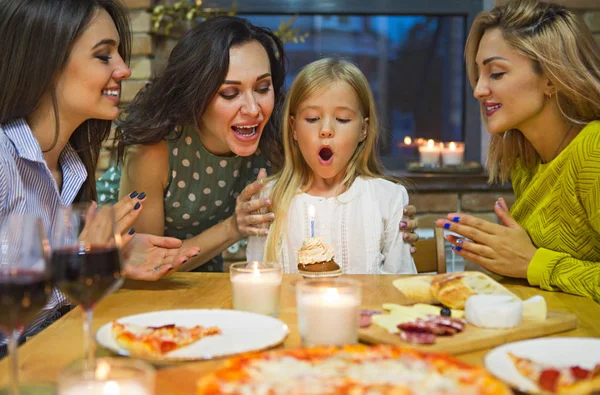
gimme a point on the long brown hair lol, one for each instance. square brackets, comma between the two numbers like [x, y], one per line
[36, 37]
[561, 48]
[196, 69]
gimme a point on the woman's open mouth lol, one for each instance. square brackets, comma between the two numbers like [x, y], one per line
[325, 156]
[246, 133]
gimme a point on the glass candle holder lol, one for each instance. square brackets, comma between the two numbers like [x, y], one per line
[328, 311]
[109, 376]
[256, 286]
[453, 153]
[429, 153]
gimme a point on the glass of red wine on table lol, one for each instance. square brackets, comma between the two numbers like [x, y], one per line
[25, 285]
[86, 260]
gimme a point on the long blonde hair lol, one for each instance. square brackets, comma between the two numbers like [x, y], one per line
[296, 174]
[561, 48]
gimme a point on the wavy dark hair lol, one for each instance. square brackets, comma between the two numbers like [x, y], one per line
[36, 38]
[197, 67]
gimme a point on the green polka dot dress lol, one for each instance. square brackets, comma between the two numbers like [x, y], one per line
[203, 187]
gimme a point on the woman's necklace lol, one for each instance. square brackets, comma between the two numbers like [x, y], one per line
[562, 142]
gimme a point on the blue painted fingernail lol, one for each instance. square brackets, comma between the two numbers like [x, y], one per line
[460, 241]
[498, 204]
[456, 219]
[131, 231]
[137, 206]
[403, 225]
[142, 195]
[133, 194]
[447, 225]
[456, 248]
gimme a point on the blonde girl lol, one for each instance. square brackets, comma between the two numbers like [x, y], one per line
[330, 132]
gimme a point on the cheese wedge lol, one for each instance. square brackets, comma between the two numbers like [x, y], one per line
[430, 309]
[404, 310]
[494, 311]
[390, 322]
[535, 308]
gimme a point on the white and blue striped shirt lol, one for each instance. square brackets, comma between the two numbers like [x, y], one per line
[27, 186]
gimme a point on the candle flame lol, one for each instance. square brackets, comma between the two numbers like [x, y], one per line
[111, 388]
[331, 295]
[430, 143]
[452, 146]
[407, 140]
[102, 370]
[256, 272]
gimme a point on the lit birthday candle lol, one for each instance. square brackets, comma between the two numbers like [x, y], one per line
[311, 215]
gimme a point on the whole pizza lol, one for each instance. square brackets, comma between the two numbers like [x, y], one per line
[357, 369]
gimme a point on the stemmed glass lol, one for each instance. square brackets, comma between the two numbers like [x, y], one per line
[24, 280]
[86, 260]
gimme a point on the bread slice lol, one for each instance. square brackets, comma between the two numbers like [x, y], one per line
[453, 289]
[417, 288]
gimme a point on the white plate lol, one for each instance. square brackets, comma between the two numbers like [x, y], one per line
[555, 351]
[240, 332]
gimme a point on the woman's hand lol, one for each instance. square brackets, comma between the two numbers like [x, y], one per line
[246, 218]
[149, 257]
[126, 212]
[409, 224]
[505, 249]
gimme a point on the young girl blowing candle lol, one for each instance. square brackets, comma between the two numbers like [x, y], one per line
[330, 132]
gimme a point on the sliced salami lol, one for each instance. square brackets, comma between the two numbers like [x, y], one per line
[365, 321]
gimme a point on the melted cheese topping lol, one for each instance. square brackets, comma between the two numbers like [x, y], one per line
[341, 372]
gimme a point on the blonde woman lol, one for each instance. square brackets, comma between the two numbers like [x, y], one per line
[535, 69]
[330, 132]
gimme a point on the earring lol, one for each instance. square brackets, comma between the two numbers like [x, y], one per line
[550, 95]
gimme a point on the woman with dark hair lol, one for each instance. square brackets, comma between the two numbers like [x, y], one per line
[59, 91]
[201, 132]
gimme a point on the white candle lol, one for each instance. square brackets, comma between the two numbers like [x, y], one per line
[257, 292]
[129, 387]
[429, 153]
[328, 318]
[453, 154]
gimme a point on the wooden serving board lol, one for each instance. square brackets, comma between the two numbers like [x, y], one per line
[474, 338]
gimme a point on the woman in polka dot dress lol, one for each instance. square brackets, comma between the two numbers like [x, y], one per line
[192, 137]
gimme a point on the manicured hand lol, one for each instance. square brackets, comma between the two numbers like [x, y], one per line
[408, 225]
[503, 248]
[127, 211]
[248, 221]
[149, 257]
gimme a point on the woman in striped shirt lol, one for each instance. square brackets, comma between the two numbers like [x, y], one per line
[59, 92]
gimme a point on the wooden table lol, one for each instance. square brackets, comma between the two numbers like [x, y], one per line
[46, 354]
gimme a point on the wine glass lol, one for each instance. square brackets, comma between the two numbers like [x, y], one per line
[24, 280]
[86, 260]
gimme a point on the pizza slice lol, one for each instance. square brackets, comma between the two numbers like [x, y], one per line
[573, 380]
[158, 341]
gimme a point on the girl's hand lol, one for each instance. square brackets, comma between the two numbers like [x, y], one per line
[126, 212]
[409, 224]
[150, 257]
[247, 221]
[505, 249]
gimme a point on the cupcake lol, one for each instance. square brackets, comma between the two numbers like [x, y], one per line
[315, 259]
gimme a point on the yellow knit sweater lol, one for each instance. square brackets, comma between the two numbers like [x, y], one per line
[558, 203]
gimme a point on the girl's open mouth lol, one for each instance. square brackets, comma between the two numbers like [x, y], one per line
[325, 155]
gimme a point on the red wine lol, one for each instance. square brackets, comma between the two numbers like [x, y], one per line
[86, 276]
[23, 294]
